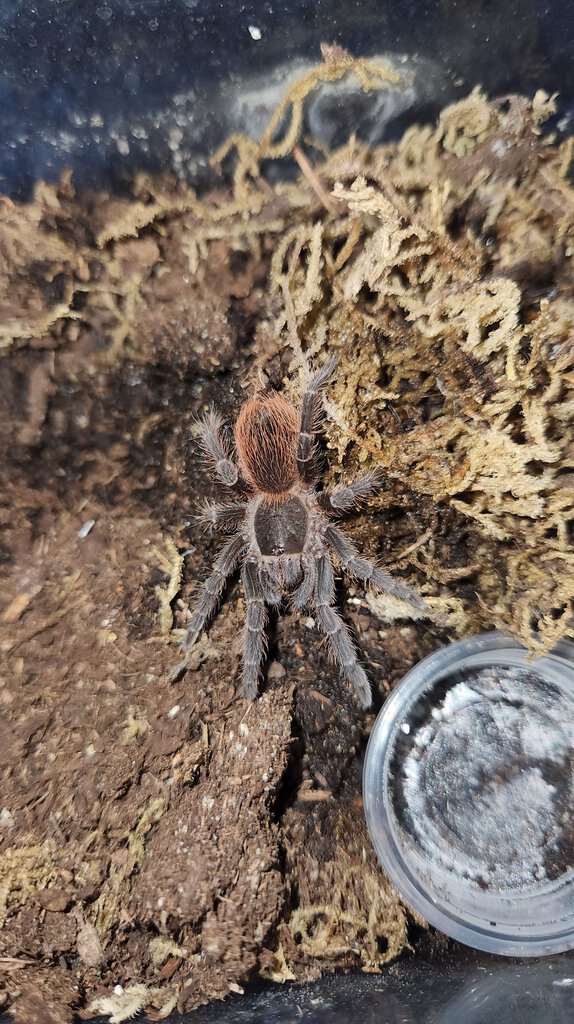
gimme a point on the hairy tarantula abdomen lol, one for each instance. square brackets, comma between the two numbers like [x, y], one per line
[266, 435]
[283, 534]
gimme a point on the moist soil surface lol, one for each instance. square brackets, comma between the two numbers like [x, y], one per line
[161, 834]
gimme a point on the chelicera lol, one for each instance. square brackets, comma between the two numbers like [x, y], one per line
[283, 533]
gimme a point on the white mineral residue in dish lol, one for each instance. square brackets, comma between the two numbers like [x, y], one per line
[484, 780]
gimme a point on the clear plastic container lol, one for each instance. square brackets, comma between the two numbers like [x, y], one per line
[469, 794]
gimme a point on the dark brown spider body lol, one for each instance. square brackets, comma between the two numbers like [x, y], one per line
[282, 537]
[281, 527]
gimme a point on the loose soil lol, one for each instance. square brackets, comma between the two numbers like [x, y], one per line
[156, 833]
[167, 836]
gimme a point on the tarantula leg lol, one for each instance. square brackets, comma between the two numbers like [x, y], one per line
[254, 639]
[364, 570]
[269, 584]
[343, 499]
[212, 589]
[292, 570]
[221, 517]
[337, 633]
[309, 415]
[216, 448]
[304, 592]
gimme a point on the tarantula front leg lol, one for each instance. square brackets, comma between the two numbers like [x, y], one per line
[303, 594]
[212, 589]
[269, 583]
[254, 639]
[332, 625]
[364, 570]
[216, 449]
[343, 499]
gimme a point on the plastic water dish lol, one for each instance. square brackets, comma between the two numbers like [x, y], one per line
[469, 794]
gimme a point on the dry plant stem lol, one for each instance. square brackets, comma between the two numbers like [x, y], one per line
[250, 154]
[329, 202]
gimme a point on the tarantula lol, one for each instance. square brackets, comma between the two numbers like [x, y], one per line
[283, 529]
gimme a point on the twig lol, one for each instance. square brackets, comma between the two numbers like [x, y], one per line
[329, 202]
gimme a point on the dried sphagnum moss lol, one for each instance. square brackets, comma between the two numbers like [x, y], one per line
[444, 281]
[439, 269]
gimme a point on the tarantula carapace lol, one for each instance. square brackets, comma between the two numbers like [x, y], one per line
[283, 530]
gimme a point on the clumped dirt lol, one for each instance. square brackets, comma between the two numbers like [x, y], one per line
[168, 837]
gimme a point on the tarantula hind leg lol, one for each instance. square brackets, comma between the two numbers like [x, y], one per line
[309, 415]
[346, 498]
[216, 449]
[221, 517]
[337, 633]
[254, 638]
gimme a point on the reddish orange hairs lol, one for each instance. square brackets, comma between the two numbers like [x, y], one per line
[266, 435]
